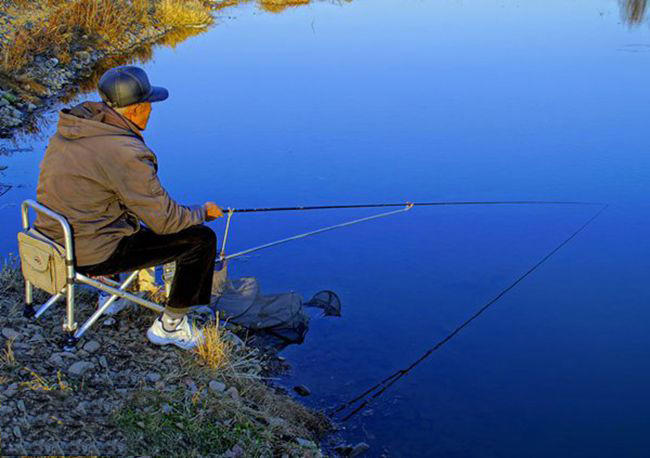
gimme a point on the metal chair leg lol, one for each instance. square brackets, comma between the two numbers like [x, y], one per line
[28, 310]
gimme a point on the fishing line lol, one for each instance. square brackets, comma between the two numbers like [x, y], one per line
[377, 390]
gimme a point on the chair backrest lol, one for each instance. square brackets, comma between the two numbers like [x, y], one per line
[42, 261]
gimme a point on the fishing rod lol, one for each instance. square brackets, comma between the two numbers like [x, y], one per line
[361, 401]
[414, 204]
[406, 207]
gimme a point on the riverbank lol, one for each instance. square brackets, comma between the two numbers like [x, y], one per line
[48, 48]
[119, 395]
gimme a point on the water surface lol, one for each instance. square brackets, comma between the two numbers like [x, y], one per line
[379, 100]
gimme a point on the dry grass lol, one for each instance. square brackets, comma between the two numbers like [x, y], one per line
[38, 383]
[214, 352]
[183, 13]
[56, 28]
[8, 358]
[277, 6]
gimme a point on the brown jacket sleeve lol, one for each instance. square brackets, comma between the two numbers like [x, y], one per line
[132, 173]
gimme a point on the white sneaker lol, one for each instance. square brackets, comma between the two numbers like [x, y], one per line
[116, 307]
[183, 334]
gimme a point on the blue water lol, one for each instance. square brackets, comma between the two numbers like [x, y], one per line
[432, 100]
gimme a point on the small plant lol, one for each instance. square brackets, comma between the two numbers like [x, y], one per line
[8, 357]
[37, 383]
[214, 351]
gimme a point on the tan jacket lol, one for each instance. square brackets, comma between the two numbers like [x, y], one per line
[100, 175]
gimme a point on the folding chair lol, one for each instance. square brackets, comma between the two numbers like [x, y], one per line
[51, 267]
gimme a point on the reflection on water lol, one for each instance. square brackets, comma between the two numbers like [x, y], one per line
[633, 11]
[140, 55]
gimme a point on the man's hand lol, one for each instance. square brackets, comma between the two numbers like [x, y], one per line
[212, 211]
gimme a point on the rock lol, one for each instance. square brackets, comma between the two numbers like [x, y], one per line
[153, 377]
[11, 390]
[233, 393]
[276, 422]
[109, 322]
[83, 56]
[9, 333]
[216, 386]
[3, 102]
[80, 409]
[31, 106]
[17, 432]
[166, 408]
[52, 62]
[80, 368]
[359, 449]
[92, 346]
[305, 443]
[235, 452]
[103, 362]
[302, 390]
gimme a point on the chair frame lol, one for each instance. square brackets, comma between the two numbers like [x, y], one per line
[115, 289]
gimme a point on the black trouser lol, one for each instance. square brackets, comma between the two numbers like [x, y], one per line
[193, 249]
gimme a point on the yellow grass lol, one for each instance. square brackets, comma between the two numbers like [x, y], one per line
[38, 383]
[54, 27]
[277, 6]
[214, 351]
[182, 13]
[8, 356]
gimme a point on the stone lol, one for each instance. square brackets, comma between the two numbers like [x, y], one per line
[31, 106]
[109, 322]
[216, 386]
[52, 62]
[153, 377]
[359, 449]
[103, 362]
[235, 452]
[82, 55]
[302, 390]
[92, 346]
[11, 390]
[233, 393]
[80, 368]
[80, 409]
[305, 443]
[17, 432]
[276, 422]
[9, 333]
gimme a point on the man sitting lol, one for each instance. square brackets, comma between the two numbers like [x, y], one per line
[99, 173]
